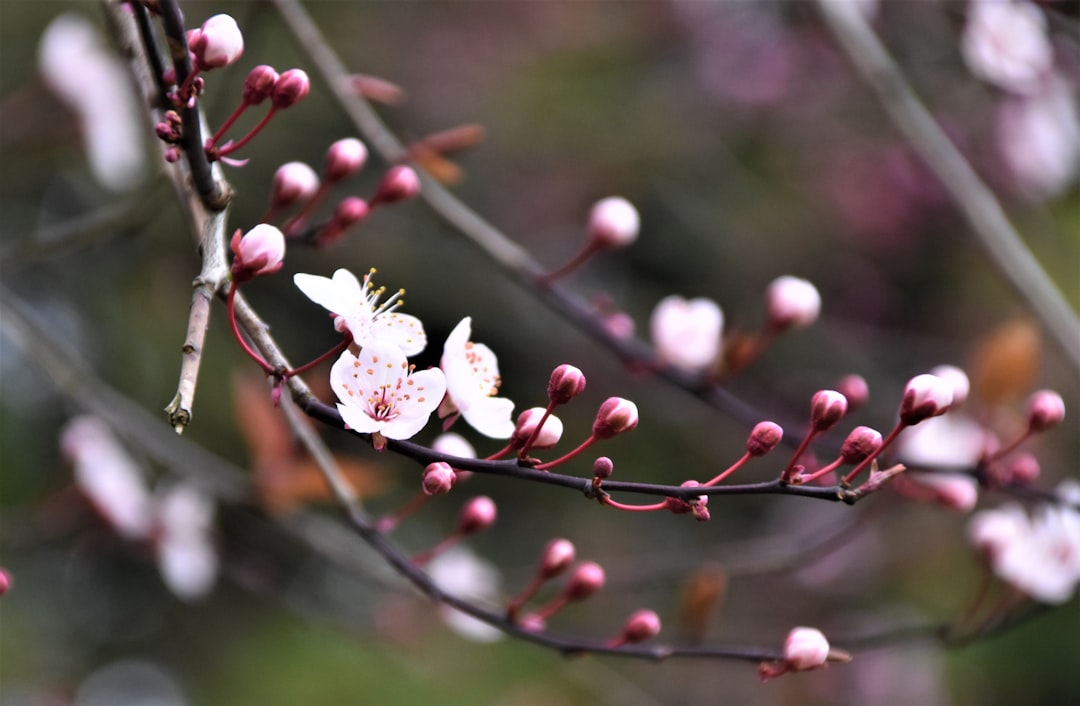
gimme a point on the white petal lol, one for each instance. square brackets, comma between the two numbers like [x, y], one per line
[491, 416]
[320, 290]
[404, 331]
[358, 420]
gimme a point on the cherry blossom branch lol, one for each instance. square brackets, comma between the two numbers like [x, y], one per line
[982, 210]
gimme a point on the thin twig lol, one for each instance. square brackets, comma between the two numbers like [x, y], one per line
[982, 210]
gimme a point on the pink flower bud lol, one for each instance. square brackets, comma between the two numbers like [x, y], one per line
[526, 423]
[925, 396]
[613, 223]
[439, 478]
[640, 626]
[398, 184]
[533, 623]
[951, 490]
[477, 515]
[290, 88]
[956, 377]
[260, 251]
[615, 416]
[344, 158]
[5, 581]
[861, 443]
[259, 84]
[805, 648]
[219, 43]
[557, 557]
[1046, 409]
[293, 181]
[764, 437]
[792, 302]
[1022, 470]
[350, 211]
[855, 389]
[566, 383]
[587, 579]
[603, 467]
[827, 408]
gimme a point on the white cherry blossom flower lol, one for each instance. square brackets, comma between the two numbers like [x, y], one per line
[186, 555]
[687, 334]
[465, 575]
[357, 309]
[472, 381]
[381, 395]
[1006, 43]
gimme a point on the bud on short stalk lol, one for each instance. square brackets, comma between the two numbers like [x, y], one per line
[1046, 409]
[792, 303]
[260, 251]
[293, 181]
[587, 579]
[290, 88]
[217, 43]
[613, 223]
[616, 415]
[558, 555]
[827, 408]
[549, 435]
[603, 467]
[399, 184]
[438, 478]
[344, 158]
[860, 444]
[477, 515]
[925, 396]
[566, 383]
[764, 437]
[259, 84]
[640, 626]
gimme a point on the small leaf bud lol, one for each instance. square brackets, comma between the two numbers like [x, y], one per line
[558, 555]
[613, 223]
[827, 408]
[1046, 409]
[861, 443]
[603, 467]
[290, 88]
[792, 303]
[615, 416]
[477, 515]
[855, 389]
[764, 437]
[925, 396]
[566, 383]
[439, 478]
[640, 626]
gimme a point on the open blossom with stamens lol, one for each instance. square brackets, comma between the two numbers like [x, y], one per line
[687, 334]
[472, 381]
[357, 310]
[379, 393]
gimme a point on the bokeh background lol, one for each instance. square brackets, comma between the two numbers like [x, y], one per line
[750, 149]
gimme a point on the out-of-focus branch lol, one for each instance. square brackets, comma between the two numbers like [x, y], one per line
[984, 213]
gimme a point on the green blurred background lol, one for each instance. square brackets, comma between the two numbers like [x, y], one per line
[751, 151]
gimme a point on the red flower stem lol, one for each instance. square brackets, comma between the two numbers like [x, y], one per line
[298, 220]
[590, 249]
[822, 471]
[563, 459]
[799, 451]
[500, 453]
[228, 123]
[252, 353]
[424, 557]
[633, 508]
[734, 467]
[900, 426]
[328, 354]
[536, 431]
[515, 605]
[1005, 450]
[388, 522]
[232, 147]
[556, 604]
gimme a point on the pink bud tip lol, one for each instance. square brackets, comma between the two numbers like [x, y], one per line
[259, 84]
[400, 183]
[827, 408]
[615, 416]
[792, 302]
[613, 223]
[566, 383]
[640, 626]
[805, 648]
[477, 515]
[344, 158]
[956, 377]
[439, 478]
[925, 396]
[861, 443]
[290, 88]
[260, 251]
[558, 555]
[218, 43]
[350, 211]
[587, 579]
[1046, 409]
[5, 581]
[293, 181]
[764, 437]
[603, 467]
[549, 434]
[855, 389]
[1023, 469]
